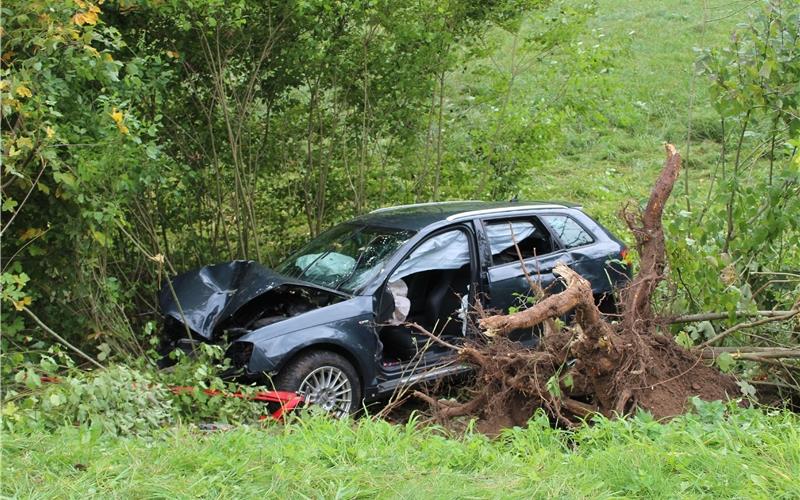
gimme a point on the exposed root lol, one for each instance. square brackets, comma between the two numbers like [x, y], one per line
[596, 366]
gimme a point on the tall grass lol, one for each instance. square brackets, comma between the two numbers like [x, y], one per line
[717, 452]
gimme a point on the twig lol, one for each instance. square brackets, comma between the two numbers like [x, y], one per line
[751, 353]
[61, 339]
[712, 316]
[751, 324]
[431, 336]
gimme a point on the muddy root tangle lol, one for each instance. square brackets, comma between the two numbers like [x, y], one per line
[595, 366]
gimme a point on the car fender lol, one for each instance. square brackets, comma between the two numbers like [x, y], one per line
[349, 330]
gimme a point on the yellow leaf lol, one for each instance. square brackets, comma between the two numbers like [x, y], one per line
[122, 128]
[20, 304]
[24, 143]
[91, 17]
[117, 116]
[23, 91]
[50, 132]
[94, 8]
[3, 84]
[101, 238]
[81, 18]
[92, 51]
[80, 3]
[172, 54]
[31, 233]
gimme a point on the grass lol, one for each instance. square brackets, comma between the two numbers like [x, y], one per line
[745, 454]
[649, 102]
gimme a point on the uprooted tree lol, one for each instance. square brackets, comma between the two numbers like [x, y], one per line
[595, 366]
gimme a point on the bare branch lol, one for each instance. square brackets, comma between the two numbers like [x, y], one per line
[751, 324]
[714, 316]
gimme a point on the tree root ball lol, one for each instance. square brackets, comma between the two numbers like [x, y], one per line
[594, 367]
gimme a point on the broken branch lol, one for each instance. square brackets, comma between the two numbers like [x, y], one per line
[578, 295]
[715, 316]
[751, 324]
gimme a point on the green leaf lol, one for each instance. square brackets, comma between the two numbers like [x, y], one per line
[9, 204]
[553, 386]
[55, 399]
[725, 362]
[684, 340]
[746, 388]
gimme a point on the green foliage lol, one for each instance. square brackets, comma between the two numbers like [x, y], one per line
[122, 400]
[73, 150]
[720, 451]
[728, 247]
[206, 397]
[115, 401]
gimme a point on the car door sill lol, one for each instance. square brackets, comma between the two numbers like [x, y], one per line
[423, 376]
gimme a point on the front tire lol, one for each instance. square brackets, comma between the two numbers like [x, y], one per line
[325, 379]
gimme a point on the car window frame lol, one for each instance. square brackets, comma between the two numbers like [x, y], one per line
[557, 243]
[591, 234]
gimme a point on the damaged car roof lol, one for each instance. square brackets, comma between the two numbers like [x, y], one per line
[420, 215]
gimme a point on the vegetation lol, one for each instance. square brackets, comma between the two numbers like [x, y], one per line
[141, 139]
[717, 452]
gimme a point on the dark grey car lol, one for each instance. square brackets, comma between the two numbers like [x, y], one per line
[331, 321]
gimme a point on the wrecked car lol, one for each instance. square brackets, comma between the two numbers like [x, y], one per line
[332, 322]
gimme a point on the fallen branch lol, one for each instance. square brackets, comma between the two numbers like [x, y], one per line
[577, 295]
[715, 316]
[790, 314]
[61, 339]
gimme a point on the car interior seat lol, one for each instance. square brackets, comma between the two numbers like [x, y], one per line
[435, 296]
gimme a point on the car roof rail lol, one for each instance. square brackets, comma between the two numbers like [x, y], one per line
[427, 204]
[489, 211]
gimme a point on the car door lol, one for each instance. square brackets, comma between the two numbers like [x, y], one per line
[508, 238]
[578, 245]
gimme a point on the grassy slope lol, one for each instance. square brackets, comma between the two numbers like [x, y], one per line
[648, 105]
[750, 455]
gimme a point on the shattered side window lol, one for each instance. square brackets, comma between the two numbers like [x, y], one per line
[568, 230]
[508, 237]
[345, 257]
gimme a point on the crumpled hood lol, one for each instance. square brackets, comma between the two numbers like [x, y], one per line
[212, 294]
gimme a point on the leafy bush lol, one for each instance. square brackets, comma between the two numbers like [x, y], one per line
[123, 400]
[115, 401]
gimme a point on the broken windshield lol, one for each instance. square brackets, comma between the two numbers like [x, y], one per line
[345, 257]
